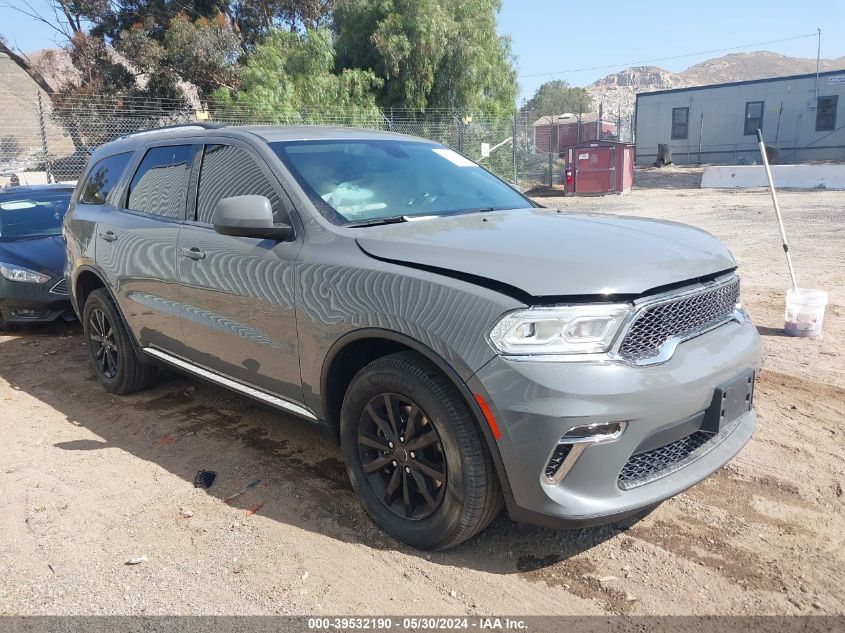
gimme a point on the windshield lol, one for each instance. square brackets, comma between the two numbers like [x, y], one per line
[31, 215]
[360, 180]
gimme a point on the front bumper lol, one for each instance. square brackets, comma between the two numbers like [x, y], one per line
[33, 303]
[536, 402]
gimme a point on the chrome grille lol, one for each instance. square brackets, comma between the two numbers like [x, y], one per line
[680, 317]
[60, 288]
[643, 467]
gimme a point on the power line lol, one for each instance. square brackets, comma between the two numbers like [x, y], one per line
[662, 59]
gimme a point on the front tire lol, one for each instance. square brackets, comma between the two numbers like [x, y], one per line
[414, 454]
[110, 347]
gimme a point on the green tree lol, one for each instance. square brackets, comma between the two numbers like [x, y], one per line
[290, 77]
[558, 97]
[430, 53]
[204, 52]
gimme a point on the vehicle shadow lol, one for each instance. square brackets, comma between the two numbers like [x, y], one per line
[266, 462]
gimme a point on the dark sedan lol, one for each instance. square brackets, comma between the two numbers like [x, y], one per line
[32, 254]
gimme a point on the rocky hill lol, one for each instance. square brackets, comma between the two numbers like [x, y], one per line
[617, 91]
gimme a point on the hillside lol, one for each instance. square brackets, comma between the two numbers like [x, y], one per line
[19, 112]
[617, 91]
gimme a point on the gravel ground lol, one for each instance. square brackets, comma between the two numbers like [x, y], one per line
[89, 481]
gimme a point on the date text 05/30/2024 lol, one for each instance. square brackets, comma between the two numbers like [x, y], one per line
[418, 623]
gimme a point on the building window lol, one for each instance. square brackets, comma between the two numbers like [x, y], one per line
[753, 117]
[680, 123]
[826, 113]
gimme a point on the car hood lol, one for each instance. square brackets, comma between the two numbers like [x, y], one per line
[44, 254]
[546, 253]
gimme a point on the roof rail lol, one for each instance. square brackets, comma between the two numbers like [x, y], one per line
[202, 125]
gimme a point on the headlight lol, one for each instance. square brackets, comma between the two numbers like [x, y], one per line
[24, 275]
[577, 329]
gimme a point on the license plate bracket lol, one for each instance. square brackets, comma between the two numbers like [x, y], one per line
[730, 400]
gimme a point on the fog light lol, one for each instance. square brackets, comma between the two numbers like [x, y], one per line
[601, 432]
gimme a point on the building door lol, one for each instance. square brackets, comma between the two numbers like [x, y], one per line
[595, 169]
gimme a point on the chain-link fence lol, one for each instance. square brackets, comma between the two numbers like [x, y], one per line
[43, 140]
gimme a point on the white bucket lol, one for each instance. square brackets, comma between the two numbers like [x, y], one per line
[804, 312]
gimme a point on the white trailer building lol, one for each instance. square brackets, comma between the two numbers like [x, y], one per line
[800, 115]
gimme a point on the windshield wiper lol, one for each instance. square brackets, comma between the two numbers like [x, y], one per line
[391, 219]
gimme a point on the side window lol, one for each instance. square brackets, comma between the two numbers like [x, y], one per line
[229, 171]
[680, 123]
[103, 178]
[160, 186]
[826, 113]
[753, 117]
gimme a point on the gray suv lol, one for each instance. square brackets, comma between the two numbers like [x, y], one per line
[468, 348]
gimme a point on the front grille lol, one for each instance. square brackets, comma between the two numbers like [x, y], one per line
[557, 458]
[646, 466]
[60, 288]
[680, 317]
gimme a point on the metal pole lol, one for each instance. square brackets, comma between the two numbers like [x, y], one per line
[818, 56]
[598, 121]
[777, 207]
[551, 126]
[700, 133]
[513, 150]
[44, 147]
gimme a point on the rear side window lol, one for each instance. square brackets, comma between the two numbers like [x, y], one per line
[160, 185]
[229, 171]
[103, 179]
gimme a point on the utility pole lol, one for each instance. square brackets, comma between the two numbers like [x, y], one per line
[818, 58]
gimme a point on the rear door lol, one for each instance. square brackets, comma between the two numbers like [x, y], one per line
[238, 292]
[136, 244]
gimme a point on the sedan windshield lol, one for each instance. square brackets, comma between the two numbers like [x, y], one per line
[363, 181]
[31, 215]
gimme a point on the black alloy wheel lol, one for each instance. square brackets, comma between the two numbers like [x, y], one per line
[415, 454]
[103, 342]
[117, 364]
[402, 456]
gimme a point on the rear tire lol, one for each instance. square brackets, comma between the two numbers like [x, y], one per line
[435, 488]
[110, 347]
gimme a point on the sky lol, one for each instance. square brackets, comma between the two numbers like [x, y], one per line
[551, 37]
[555, 40]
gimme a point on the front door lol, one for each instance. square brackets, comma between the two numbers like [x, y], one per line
[237, 292]
[136, 245]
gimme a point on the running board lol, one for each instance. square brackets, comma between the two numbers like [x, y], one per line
[263, 396]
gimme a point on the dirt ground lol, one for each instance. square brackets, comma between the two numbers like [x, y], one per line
[89, 480]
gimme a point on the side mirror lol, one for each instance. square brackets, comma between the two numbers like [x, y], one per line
[249, 216]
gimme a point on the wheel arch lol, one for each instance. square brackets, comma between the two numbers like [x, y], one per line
[86, 281]
[357, 349]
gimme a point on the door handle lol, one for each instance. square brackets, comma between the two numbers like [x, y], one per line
[193, 253]
[108, 236]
